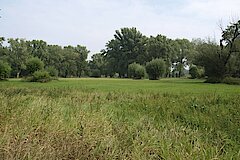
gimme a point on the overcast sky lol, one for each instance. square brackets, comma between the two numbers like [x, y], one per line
[93, 22]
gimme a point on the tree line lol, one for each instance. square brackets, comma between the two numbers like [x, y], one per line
[130, 50]
[67, 61]
[129, 54]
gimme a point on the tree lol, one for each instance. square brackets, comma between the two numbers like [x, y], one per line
[233, 66]
[82, 54]
[208, 57]
[161, 47]
[5, 70]
[184, 54]
[72, 60]
[229, 37]
[128, 46]
[69, 63]
[158, 47]
[155, 69]
[230, 48]
[136, 71]
[221, 60]
[2, 39]
[38, 48]
[18, 54]
[34, 64]
[3, 50]
[98, 63]
[56, 57]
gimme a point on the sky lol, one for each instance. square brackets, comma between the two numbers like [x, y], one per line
[92, 23]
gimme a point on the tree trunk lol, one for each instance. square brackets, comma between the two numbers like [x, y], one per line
[180, 73]
[18, 74]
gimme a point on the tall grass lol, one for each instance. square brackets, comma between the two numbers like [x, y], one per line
[87, 123]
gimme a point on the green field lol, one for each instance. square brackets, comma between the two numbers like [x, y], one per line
[119, 119]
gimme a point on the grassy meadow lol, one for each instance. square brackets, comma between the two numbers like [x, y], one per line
[119, 119]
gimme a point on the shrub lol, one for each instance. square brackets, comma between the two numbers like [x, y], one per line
[95, 73]
[155, 69]
[34, 64]
[213, 80]
[231, 80]
[53, 72]
[201, 72]
[193, 71]
[196, 72]
[136, 71]
[40, 76]
[5, 70]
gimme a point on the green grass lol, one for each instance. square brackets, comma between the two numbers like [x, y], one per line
[119, 119]
[106, 85]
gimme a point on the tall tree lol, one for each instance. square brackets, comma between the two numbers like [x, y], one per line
[98, 63]
[2, 39]
[38, 48]
[229, 44]
[18, 54]
[161, 47]
[5, 70]
[158, 47]
[184, 54]
[55, 57]
[3, 50]
[128, 46]
[82, 54]
[221, 60]
[69, 65]
[233, 67]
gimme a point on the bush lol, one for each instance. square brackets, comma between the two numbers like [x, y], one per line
[193, 71]
[136, 71]
[95, 73]
[34, 64]
[5, 70]
[40, 76]
[201, 73]
[53, 72]
[231, 80]
[155, 69]
[196, 72]
[213, 80]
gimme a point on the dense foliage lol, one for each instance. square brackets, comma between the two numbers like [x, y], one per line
[25, 57]
[40, 76]
[196, 72]
[221, 60]
[5, 70]
[53, 72]
[34, 64]
[155, 69]
[136, 71]
[129, 46]
[193, 71]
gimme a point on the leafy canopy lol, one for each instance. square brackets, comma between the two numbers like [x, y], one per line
[5, 70]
